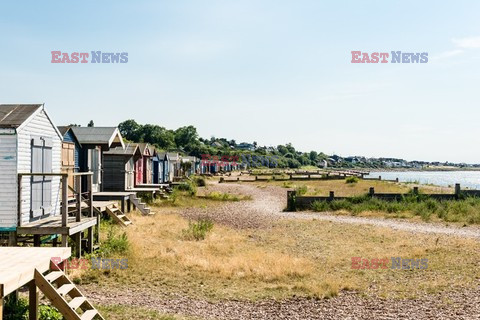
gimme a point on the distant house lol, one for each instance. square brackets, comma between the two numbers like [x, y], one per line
[94, 141]
[29, 143]
[246, 146]
[119, 167]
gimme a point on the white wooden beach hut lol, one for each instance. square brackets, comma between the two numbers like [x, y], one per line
[29, 142]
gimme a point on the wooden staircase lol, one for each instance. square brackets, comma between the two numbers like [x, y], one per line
[118, 216]
[65, 296]
[140, 205]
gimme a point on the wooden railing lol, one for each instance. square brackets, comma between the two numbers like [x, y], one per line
[64, 187]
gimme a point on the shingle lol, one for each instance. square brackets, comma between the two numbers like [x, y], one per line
[13, 115]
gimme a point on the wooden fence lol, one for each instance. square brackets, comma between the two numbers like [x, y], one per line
[294, 201]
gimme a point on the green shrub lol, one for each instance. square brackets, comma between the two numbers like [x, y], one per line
[49, 313]
[351, 180]
[197, 230]
[115, 243]
[199, 181]
[189, 186]
[15, 309]
[301, 190]
[320, 206]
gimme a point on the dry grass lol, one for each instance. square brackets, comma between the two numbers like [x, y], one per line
[302, 258]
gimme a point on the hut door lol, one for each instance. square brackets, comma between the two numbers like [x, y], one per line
[139, 171]
[95, 167]
[68, 163]
[41, 186]
[130, 175]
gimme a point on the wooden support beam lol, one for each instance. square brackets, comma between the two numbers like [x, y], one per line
[64, 202]
[78, 190]
[12, 239]
[19, 200]
[32, 301]
[90, 240]
[36, 240]
[78, 244]
[1, 308]
[64, 240]
[90, 195]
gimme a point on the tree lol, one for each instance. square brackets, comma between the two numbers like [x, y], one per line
[90, 124]
[130, 130]
[185, 136]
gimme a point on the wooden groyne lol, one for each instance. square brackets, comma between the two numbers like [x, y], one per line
[295, 201]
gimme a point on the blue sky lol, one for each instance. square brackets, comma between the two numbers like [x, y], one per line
[267, 71]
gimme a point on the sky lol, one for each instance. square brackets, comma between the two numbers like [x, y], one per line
[270, 71]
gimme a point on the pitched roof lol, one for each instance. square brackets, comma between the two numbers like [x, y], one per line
[130, 150]
[63, 129]
[13, 115]
[173, 156]
[99, 135]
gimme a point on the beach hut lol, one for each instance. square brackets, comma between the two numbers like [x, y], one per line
[119, 167]
[70, 151]
[94, 141]
[174, 166]
[143, 166]
[163, 167]
[29, 143]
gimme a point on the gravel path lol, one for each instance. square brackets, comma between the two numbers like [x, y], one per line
[348, 305]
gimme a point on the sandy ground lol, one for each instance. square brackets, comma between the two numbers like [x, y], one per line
[266, 206]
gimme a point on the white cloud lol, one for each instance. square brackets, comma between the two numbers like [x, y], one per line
[469, 42]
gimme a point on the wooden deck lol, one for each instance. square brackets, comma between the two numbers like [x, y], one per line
[18, 264]
[122, 196]
[53, 225]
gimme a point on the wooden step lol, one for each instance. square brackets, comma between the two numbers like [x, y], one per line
[54, 275]
[77, 302]
[89, 315]
[57, 297]
[65, 289]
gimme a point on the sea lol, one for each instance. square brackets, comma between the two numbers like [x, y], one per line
[467, 179]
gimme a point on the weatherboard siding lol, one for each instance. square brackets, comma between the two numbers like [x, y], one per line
[68, 137]
[8, 182]
[39, 126]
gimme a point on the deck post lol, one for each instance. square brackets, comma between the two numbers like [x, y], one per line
[12, 239]
[19, 200]
[36, 240]
[1, 304]
[78, 189]
[90, 240]
[64, 201]
[64, 240]
[78, 244]
[90, 195]
[32, 301]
